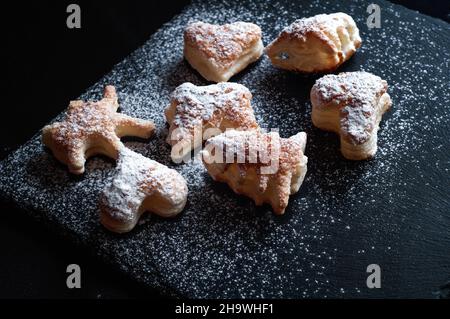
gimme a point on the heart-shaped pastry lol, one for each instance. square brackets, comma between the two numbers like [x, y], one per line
[218, 52]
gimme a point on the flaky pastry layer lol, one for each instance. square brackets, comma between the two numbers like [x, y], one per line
[276, 172]
[316, 44]
[218, 52]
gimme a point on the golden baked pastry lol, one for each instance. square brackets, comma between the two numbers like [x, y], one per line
[218, 52]
[140, 185]
[262, 166]
[351, 104]
[92, 128]
[316, 44]
[194, 109]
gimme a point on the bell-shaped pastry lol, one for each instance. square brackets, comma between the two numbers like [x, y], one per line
[351, 104]
[316, 44]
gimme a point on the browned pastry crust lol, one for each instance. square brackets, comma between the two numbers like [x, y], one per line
[140, 185]
[351, 104]
[316, 44]
[270, 175]
[218, 52]
[194, 109]
[92, 128]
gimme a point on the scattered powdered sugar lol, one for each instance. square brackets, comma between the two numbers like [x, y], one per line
[346, 215]
[358, 93]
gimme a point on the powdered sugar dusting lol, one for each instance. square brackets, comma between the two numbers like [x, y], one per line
[347, 215]
[328, 23]
[358, 94]
[137, 178]
[124, 195]
[269, 168]
[196, 108]
[259, 148]
[197, 105]
[85, 119]
[223, 44]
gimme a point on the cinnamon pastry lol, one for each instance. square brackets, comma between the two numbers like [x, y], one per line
[92, 128]
[351, 104]
[140, 185]
[317, 44]
[218, 52]
[262, 166]
[194, 109]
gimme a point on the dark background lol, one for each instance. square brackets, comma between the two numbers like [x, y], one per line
[47, 65]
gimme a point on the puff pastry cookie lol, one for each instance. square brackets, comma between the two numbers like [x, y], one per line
[218, 52]
[140, 185]
[351, 104]
[194, 109]
[316, 44]
[92, 128]
[270, 175]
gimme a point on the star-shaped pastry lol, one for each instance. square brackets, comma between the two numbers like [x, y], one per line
[218, 52]
[194, 109]
[92, 128]
[351, 104]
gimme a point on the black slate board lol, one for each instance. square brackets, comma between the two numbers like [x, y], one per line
[393, 210]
